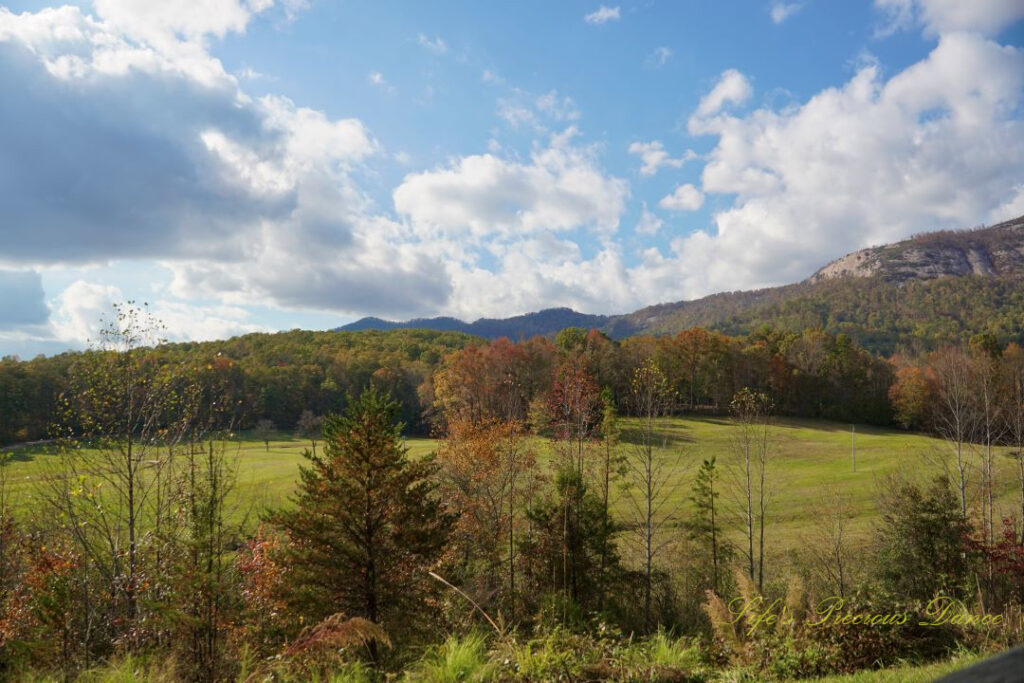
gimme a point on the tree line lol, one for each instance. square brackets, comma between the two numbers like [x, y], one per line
[272, 379]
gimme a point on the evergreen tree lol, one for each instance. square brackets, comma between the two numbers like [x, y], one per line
[922, 541]
[704, 527]
[366, 525]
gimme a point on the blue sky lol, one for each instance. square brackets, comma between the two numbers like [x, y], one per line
[255, 165]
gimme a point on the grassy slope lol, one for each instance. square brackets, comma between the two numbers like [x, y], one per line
[808, 459]
[906, 674]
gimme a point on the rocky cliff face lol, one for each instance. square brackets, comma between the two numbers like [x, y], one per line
[996, 251]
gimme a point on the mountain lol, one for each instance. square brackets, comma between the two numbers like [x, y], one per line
[996, 251]
[932, 288]
[544, 322]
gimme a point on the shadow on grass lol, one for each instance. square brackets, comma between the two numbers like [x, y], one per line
[663, 438]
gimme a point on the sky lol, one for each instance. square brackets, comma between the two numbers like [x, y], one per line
[257, 165]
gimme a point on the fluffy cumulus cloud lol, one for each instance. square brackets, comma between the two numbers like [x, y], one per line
[649, 223]
[653, 155]
[947, 16]
[163, 156]
[683, 198]
[938, 145]
[876, 159]
[560, 188]
[732, 88]
[83, 308]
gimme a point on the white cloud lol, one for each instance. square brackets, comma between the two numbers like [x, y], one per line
[732, 88]
[780, 11]
[658, 57]
[167, 158]
[1013, 207]
[84, 308]
[939, 145]
[250, 199]
[683, 198]
[524, 109]
[561, 188]
[171, 19]
[946, 16]
[435, 44]
[250, 74]
[377, 79]
[602, 15]
[654, 156]
[649, 223]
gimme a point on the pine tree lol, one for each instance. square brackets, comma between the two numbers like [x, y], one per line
[366, 526]
[705, 526]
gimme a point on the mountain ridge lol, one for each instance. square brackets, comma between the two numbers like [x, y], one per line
[896, 282]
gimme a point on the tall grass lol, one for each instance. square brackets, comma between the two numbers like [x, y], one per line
[464, 658]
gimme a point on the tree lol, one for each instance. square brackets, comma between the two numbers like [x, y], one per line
[751, 410]
[830, 546]
[202, 584]
[921, 541]
[309, 426]
[563, 553]
[611, 431]
[704, 526]
[119, 423]
[573, 412]
[367, 524]
[910, 396]
[651, 484]
[956, 414]
[481, 465]
[986, 366]
[263, 430]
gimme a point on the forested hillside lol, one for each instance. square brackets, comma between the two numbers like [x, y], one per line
[272, 377]
[934, 289]
[882, 315]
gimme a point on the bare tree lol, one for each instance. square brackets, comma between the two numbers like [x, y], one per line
[652, 480]
[309, 426]
[955, 416]
[991, 427]
[831, 545]
[611, 466]
[751, 411]
[118, 424]
[263, 430]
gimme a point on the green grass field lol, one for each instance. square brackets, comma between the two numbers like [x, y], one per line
[808, 460]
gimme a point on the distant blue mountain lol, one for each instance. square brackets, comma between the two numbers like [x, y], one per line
[548, 321]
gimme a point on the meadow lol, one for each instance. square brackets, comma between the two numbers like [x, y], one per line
[810, 461]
